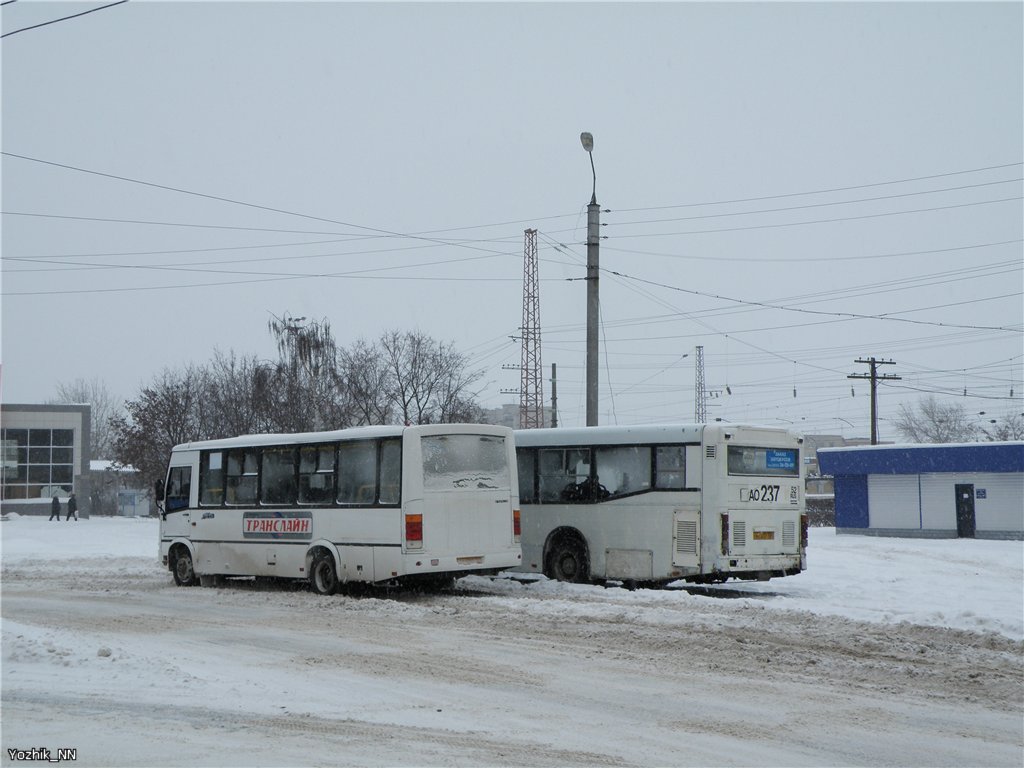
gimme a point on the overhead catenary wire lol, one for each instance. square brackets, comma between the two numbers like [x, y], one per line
[63, 18]
[827, 191]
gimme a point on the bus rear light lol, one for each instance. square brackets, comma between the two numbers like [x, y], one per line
[804, 533]
[414, 531]
[725, 533]
[517, 530]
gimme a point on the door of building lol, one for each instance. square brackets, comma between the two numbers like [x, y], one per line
[965, 511]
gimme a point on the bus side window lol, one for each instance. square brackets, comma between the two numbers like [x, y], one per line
[526, 460]
[390, 471]
[670, 467]
[357, 473]
[316, 474]
[622, 470]
[179, 486]
[277, 476]
[211, 479]
[242, 476]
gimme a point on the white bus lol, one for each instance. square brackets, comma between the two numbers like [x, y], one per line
[653, 504]
[372, 504]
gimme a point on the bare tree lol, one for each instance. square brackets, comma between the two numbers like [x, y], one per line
[429, 381]
[166, 413]
[1007, 428]
[935, 421]
[235, 395]
[104, 407]
[306, 383]
[366, 375]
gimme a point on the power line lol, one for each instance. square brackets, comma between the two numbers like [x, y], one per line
[63, 18]
[238, 202]
[818, 205]
[823, 191]
[769, 259]
[852, 315]
[822, 221]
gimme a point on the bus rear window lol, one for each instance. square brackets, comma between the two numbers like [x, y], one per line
[778, 462]
[465, 462]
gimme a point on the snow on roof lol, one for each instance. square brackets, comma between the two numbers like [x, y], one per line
[105, 465]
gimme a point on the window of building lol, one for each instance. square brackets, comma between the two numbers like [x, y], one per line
[37, 463]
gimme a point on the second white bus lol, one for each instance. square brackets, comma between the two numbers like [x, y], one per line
[372, 504]
[653, 504]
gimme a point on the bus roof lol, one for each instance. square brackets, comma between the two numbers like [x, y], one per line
[353, 433]
[626, 435]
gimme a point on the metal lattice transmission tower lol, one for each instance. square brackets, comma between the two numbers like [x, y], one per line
[700, 395]
[531, 389]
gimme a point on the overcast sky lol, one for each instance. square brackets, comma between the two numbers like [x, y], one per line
[857, 167]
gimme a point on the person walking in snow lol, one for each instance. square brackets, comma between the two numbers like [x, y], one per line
[72, 508]
[55, 508]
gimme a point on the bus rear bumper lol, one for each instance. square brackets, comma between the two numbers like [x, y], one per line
[462, 565]
[750, 569]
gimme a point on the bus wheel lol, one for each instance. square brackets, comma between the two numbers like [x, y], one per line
[184, 573]
[323, 576]
[567, 562]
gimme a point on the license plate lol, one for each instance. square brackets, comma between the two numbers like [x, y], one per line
[764, 534]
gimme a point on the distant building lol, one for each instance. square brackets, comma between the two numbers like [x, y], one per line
[45, 452]
[508, 416]
[116, 490]
[936, 491]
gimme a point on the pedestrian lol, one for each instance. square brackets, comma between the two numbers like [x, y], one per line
[72, 508]
[55, 508]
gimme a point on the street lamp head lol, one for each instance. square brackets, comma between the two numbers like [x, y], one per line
[588, 141]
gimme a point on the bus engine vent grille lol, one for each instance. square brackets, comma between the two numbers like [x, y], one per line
[709, 451]
[686, 537]
[789, 534]
[739, 533]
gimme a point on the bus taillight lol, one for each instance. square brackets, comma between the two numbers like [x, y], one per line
[725, 533]
[516, 527]
[804, 524]
[414, 531]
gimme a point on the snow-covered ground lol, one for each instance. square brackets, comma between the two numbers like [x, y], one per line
[886, 651]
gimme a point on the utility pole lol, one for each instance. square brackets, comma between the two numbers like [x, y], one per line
[700, 395]
[531, 389]
[593, 300]
[874, 377]
[554, 395]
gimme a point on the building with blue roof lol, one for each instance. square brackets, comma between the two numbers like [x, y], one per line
[969, 490]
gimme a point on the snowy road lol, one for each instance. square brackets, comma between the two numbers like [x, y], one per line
[103, 654]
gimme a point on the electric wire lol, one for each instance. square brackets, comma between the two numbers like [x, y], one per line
[63, 18]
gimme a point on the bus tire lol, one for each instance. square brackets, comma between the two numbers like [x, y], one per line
[567, 561]
[323, 574]
[182, 568]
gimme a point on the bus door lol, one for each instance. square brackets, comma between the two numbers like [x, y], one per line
[175, 520]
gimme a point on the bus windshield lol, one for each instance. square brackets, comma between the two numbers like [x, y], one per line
[465, 462]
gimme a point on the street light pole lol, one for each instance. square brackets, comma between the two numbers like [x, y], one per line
[593, 295]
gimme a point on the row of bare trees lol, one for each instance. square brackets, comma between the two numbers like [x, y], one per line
[402, 378]
[944, 421]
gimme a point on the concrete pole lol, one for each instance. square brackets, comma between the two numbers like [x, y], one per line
[593, 308]
[593, 293]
